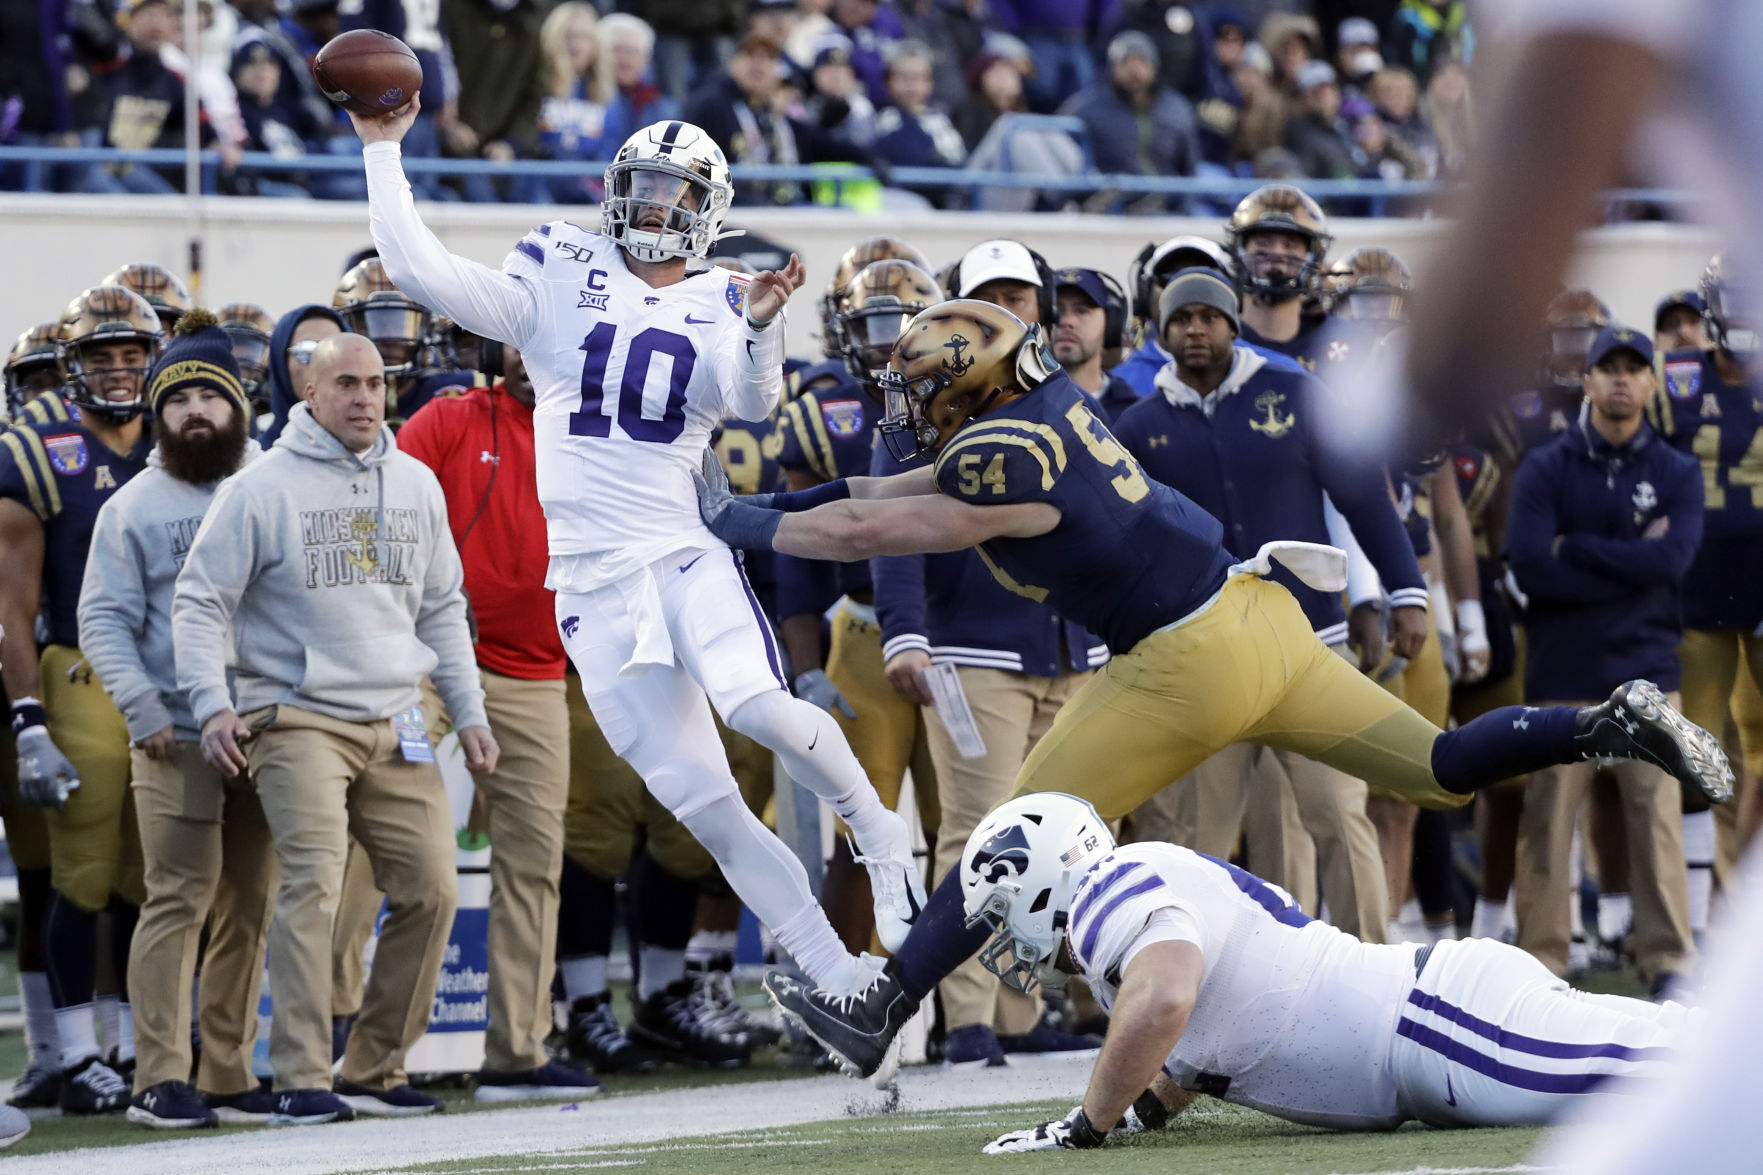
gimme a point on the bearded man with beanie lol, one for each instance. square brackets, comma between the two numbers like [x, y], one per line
[324, 574]
[203, 838]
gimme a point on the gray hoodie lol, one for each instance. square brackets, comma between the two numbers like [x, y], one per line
[339, 575]
[138, 547]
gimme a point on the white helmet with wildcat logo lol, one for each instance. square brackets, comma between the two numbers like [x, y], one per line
[1018, 872]
[673, 168]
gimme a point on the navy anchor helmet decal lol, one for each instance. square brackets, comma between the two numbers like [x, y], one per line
[1004, 853]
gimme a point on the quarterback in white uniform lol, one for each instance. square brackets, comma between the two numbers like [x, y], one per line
[1218, 983]
[634, 362]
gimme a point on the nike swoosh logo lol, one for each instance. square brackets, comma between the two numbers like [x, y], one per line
[690, 321]
[1450, 1097]
[812, 745]
[685, 567]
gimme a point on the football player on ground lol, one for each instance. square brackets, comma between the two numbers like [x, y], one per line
[1206, 650]
[73, 745]
[634, 363]
[1218, 984]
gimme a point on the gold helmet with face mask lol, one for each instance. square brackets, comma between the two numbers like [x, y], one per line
[250, 327]
[1369, 285]
[104, 316]
[852, 262]
[164, 290]
[875, 307]
[1570, 325]
[1278, 208]
[953, 362]
[369, 304]
[31, 366]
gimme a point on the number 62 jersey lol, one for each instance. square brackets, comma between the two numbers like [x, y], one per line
[630, 381]
[1129, 555]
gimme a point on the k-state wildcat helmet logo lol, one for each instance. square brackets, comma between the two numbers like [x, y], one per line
[1005, 853]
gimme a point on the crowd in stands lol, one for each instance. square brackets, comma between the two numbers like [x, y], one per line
[1373, 90]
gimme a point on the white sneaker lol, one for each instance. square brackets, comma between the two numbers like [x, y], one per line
[897, 883]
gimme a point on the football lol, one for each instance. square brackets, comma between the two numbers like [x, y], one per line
[367, 72]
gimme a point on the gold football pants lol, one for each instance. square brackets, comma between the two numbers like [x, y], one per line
[1247, 668]
[94, 844]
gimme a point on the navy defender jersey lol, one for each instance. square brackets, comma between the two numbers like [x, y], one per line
[827, 434]
[1129, 556]
[63, 474]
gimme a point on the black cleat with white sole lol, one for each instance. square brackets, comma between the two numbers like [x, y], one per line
[1639, 723]
[857, 1030]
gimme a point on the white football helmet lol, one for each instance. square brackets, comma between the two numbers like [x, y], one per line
[672, 168]
[1018, 872]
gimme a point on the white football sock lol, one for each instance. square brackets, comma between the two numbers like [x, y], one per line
[79, 1036]
[661, 967]
[42, 1038]
[813, 751]
[1699, 849]
[109, 1005]
[125, 1036]
[771, 880]
[1489, 920]
[1615, 916]
[583, 976]
[707, 945]
[1575, 872]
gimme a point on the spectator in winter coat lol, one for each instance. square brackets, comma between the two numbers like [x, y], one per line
[626, 47]
[1218, 100]
[836, 101]
[912, 132]
[1427, 33]
[1136, 126]
[572, 118]
[872, 30]
[1322, 140]
[994, 86]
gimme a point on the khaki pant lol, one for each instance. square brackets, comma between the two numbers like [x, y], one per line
[208, 859]
[1288, 800]
[1652, 810]
[525, 797]
[1715, 663]
[1012, 711]
[357, 908]
[321, 780]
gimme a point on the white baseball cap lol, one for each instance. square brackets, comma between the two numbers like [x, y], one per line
[990, 260]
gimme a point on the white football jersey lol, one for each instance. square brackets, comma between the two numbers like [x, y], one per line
[1293, 1016]
[630, 381]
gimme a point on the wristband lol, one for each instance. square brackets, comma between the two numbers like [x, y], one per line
[26, 713]
[820, 495]
[1471, 617]
[1153, 1114]
[1084, 1134]
[747, 528]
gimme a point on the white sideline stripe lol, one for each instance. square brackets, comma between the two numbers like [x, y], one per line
[613, 1127]
[1516, 1167]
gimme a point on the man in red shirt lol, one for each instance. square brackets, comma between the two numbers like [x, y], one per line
[480, 446]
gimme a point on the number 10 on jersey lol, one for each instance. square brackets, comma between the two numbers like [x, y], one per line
[591, 419]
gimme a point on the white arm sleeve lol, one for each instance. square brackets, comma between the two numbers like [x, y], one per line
[752, 371]
[1363, 585]
[484, 301]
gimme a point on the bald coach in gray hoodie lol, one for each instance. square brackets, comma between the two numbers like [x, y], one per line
[331, 563]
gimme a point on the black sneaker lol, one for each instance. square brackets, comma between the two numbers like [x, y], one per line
[253, 1107]
[1638, 723]
[171, 1105]
[720, 1008]
[669, 1021]
[857, 1030]
[1044, 1040]
[123, 1069]
[92, 1087]
[553, 1081]
[594, 1038]
[398, 1102]
[37, 1088]
[973, 1046]
[309, 1107]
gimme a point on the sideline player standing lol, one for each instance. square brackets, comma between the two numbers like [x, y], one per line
[634, 363]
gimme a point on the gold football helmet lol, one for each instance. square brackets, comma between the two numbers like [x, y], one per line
[1572, 321]
[874, 308]
[1731, 324]
[31, 366]
[371, 305]
[1278, 208]
[249, 326]
[100, 317]
[1369, 285]
[854, 260]
[952, 363]
[162, 288]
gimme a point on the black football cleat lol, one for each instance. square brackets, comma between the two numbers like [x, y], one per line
[858, 1030]
[1639, 723]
